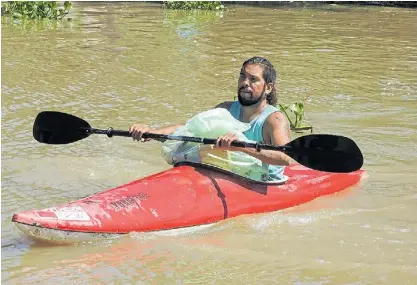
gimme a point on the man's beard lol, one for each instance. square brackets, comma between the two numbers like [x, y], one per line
[252, 101]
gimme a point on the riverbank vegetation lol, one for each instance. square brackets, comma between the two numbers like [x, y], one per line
[35, 9]
[193, 5]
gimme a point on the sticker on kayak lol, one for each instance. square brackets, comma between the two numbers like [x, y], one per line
[71, 213]
[46, 214]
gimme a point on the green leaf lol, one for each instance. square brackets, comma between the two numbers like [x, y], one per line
[17, 15]
[67, 5]
[293, 108]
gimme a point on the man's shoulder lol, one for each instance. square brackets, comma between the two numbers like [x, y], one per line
[276, 119]
[277, 128]
[225, 105]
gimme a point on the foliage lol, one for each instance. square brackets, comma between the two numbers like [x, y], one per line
[296, 117]
[35, 9]
[193, 5]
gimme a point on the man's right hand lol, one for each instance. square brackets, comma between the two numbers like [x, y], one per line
[137, 131]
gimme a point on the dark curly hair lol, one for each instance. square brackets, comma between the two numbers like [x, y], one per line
[269, 75]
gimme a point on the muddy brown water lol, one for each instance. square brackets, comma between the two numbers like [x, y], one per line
[119, 63]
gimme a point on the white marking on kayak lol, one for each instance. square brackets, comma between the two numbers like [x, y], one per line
[71, 213]
[140, 205]
[46, 214]
[153, 211]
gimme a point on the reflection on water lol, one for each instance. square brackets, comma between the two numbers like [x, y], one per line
[116, 64]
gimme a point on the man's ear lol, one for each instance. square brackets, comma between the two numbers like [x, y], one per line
[269, 87]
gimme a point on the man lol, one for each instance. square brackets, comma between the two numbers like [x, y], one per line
[256, 99]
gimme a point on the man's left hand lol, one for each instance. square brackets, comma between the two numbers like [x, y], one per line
[225, 142]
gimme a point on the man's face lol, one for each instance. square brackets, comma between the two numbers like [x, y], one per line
[251, 87]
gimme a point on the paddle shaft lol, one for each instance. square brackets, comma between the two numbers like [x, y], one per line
[110, 132]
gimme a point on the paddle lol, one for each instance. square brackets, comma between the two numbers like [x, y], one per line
[322, 152]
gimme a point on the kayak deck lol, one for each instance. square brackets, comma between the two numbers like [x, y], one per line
[182, 196]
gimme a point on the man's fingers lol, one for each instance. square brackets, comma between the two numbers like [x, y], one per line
[217, 142]
[225, 140]
[137, 132]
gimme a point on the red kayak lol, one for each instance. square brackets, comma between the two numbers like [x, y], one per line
[184, 196]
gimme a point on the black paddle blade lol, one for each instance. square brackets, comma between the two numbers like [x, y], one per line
[59, 128]
[327, 153]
